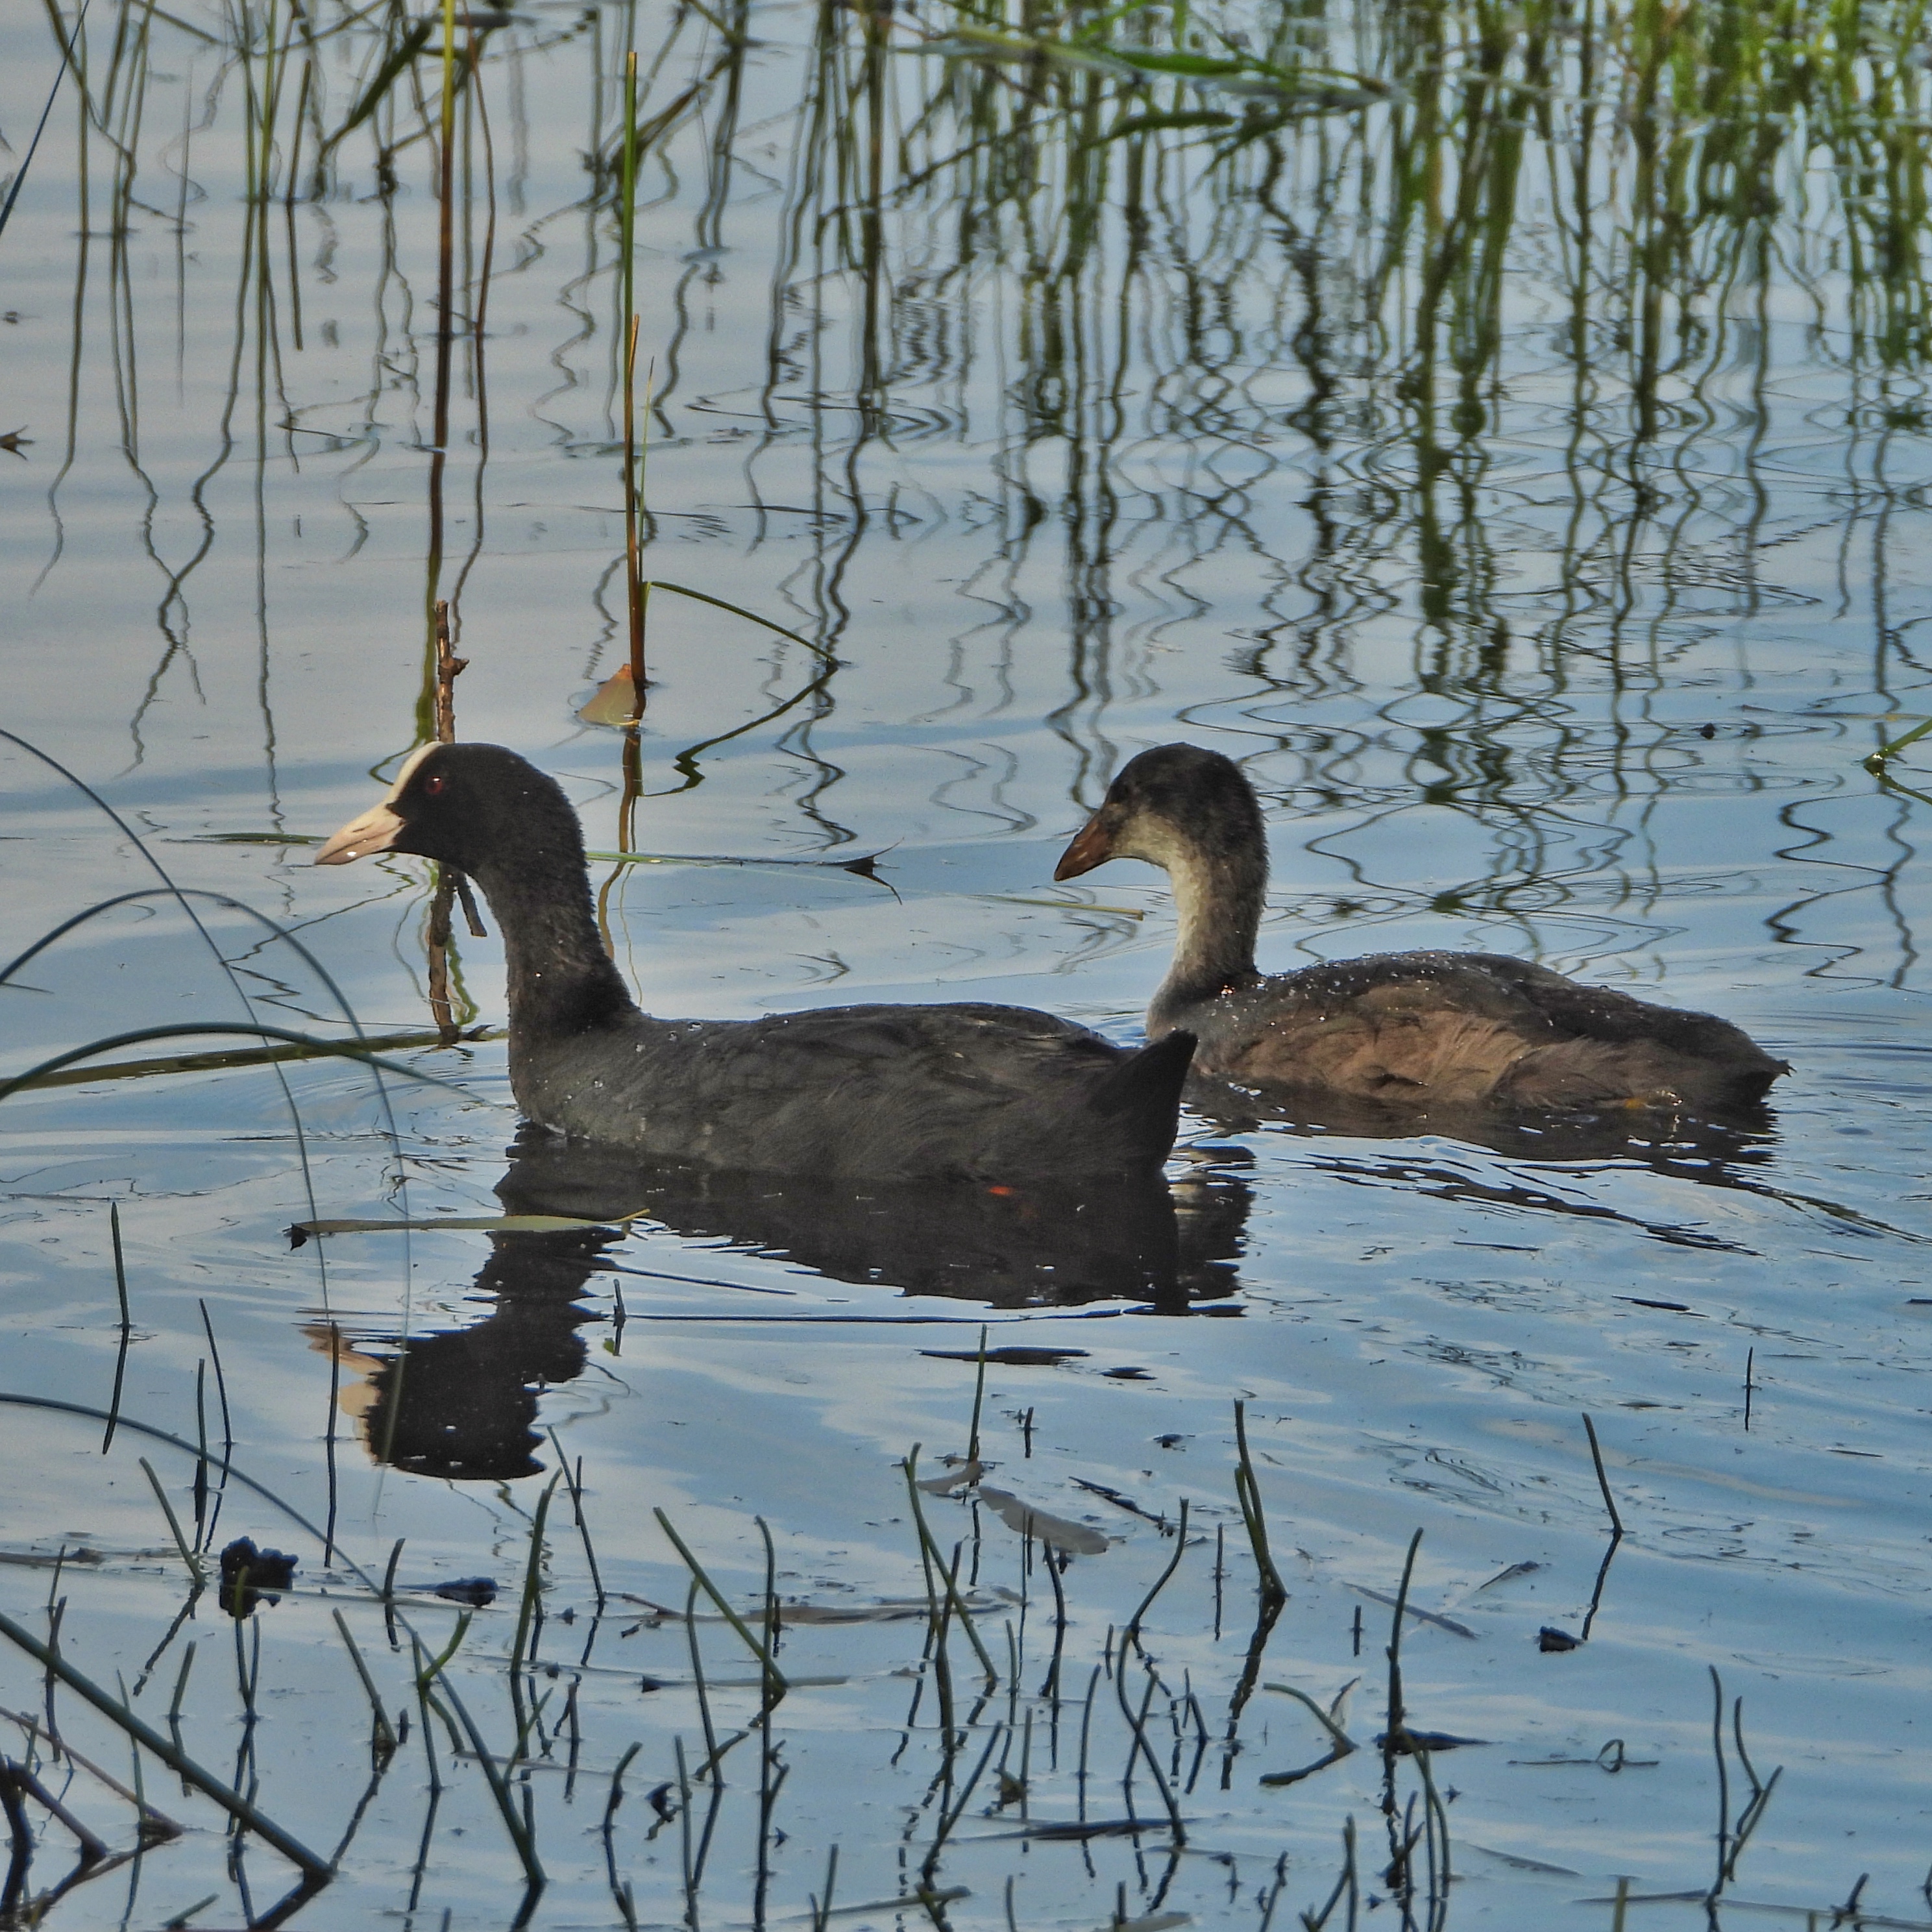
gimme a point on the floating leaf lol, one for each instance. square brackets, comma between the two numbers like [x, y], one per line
[1076, 1539]
[1012, 1357]
[614, 702]
[959, 1475]
[300, 1231]
[1448, 1624]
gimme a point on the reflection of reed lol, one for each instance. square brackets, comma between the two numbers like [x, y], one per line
[1475, 355]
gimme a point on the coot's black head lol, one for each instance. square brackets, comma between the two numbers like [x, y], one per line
[478, 808]
[1171, 804]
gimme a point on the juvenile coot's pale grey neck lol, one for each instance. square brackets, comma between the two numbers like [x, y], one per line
[892, 1092]
[1414, 1029]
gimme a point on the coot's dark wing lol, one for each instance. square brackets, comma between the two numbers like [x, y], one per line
[964, 1089]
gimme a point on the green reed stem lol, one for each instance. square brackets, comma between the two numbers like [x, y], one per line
[533, 1574]
[978, 1397]
[932, 1550]
[515, 1822]
[637, 591]
[385, 1736]
[187, 1556]
[1247, 1494]
[574, 1483]
[776, 1683]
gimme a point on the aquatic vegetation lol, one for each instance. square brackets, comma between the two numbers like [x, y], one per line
[1501, 429]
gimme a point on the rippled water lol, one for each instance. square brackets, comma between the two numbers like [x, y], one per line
[1558, 674]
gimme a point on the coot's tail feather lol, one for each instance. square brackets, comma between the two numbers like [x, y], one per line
[1140, 1099]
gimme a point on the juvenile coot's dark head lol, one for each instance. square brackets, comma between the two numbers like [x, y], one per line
[1167, 805]
[472, 806]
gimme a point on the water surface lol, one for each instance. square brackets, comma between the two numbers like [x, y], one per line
[1551, 599]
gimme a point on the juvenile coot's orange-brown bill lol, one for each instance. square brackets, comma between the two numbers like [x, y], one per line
[378, 828]
[1092, 846]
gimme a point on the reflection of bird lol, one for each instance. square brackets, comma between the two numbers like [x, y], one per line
[883, 1091]
[1046, 1242]
[462, 1404]
[1452, 1029]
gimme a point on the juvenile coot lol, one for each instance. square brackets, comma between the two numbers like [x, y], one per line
[894, 1091]
[1454, 1029]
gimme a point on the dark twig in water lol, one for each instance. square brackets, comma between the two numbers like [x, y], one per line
[1086, 1728]
[620, 1892]
[1597, 1594]
[514, 1822]
[1130, 1635]
[21, 1830]
[127, 1327]
[1121, 1502]
[221, 1392]
[1137, 1724]
[1050, 1685]
[1616, 1530]
[40, 127]
[950, 1817]
[529, 1604]
[1724, 1783]
[1603, 1481]
[1396, 1740]
[1732, 1837]
[979, 1396]
[1345, 1885]
[821, 1909]
[698, 1680]
[93, 1847]
[1340, 1744]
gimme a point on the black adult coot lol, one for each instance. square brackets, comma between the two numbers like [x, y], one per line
[978, 1091]
[1454, 1029]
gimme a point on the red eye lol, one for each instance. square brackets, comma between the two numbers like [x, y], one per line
[433, 786]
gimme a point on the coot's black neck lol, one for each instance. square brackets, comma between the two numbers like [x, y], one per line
[561, 981]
